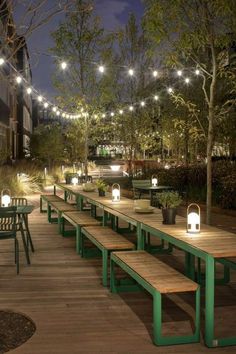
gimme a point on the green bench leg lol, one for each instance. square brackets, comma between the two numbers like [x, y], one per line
[157, 323]
[78, 239]
[112, 277]
[104, 267]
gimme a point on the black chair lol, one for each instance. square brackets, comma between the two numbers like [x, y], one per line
[8, 229]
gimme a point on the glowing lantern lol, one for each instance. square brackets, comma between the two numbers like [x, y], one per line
[193, 218]
[154, 181]
[115, 192]
[74, 181]
[5, 198]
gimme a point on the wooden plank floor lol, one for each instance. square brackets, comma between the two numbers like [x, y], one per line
[74, 313]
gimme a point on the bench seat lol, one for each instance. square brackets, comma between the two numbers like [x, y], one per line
[106, 240]
[58, 207]
[157, 278]
[48, 198]
[78, 219]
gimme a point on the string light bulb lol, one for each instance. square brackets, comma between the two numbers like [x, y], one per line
[101, 69]
[2, 61]
[131, 108]
[58, 113]
[103, 116]
[29, 90]
[121, 111]
[156, 98]
[18, 79]
[54, 109]
[63, 65]
[131, 72]
[197, 71]
[187, 80]
[112, 114]
[179, 72]
[40, 98]
[45, 105]
[170, 90]
[155, 73]
[142, 103]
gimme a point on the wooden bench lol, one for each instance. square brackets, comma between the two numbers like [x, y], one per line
[157, 278]
[78, 219]
[139, 183]
[107, 241]
[58, 207]
[46, 198]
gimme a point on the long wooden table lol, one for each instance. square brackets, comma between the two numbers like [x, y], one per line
[209, 245]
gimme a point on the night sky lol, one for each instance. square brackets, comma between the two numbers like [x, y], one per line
[114, 13]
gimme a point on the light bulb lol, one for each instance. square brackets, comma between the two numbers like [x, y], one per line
[121, 111]
[170, 90]
[29, 90]
[155, 73]
[2, 61]
[18, 79]
[179, 73]
[101, 69]
[45, 105]
[142, 103]
[58, 113]
[131, 72]
[197, 72]
[63, 65]
[156, 98]
[103, 116]
[131, 108]
[187, 80]
[54, 109]
[112, 114]
[40, 98]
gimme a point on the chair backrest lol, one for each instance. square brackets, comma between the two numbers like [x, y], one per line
[19, 201]
[8, 218]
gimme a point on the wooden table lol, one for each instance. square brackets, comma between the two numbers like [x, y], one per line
[153, 190]
[209, 245]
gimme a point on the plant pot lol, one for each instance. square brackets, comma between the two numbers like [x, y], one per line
[101, 193]
[169, 215]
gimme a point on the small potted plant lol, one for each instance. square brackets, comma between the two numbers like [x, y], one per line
[102, 187]
[169, 202]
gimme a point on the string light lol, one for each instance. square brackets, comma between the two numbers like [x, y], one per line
[179, 73]
[197, 72]
[54, 109]
[18, 79]
[29, 90]
[156, 98]
[142, 103]
[121, 111]
[112, 114]
[131, 72]
[58, 113]
[63, 65]
[101, 69]
[131, 108]
[155, 73]
[187, 80]
[103, 116]
[2, 61]
[40, 98]
[45, 105]
[170, 90]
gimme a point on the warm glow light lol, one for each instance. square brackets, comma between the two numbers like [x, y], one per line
[115, 192]
[63, 115]
[187, 80]
[197, 72]
[58, 113]
[112, 114]
[2, 61]
[156, 98]
[40, 98]
[63, 65]
[5, 198]
[121, 111]
[74, 180]
[101, 69]
[155, 73]
[193, 219]
[179, 73]
[115, 168]
[103, 116]
[170, 90]
[131, 72]
[54, 109]
[18, 79]
[45, 105]
[131, 108]
[29, 90]
[154, 181]
[142, 103]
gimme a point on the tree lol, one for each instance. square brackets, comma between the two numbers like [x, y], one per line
[197, 33]
[82, 40]
[47, 144]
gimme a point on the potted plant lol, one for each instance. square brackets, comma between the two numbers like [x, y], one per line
[102, 187]
[169, 202]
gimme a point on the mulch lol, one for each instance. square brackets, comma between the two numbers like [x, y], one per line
[15, 329]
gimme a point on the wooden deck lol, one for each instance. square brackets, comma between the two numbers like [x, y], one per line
[74, 313]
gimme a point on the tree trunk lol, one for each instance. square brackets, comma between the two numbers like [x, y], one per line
[209, 166]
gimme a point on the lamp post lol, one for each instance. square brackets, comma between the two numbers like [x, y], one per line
[115, 192]
[5, 198]
[193, 219]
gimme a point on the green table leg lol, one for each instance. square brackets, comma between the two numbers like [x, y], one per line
[140, 237]
[78, 239]
[104, 267]
[210, 301]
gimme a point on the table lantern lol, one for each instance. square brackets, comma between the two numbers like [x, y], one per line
[74, 181]
[5, 198]
[154, 181]
[115, 192]
[193, 218]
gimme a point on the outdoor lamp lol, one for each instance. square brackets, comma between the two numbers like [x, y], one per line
[193, 218]
[74, 181]
[154, 181]
[115, 168]
[115, 192]
[5, 198]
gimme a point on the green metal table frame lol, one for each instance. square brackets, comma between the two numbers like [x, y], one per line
[191, 253]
